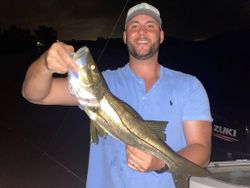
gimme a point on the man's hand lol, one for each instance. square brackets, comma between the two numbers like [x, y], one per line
[39, 85]
[141, 161]
[57, 58]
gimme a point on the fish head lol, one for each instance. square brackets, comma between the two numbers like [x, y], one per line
[87, 84]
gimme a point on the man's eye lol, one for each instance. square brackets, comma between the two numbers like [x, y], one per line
[134, 26]
[150, 26]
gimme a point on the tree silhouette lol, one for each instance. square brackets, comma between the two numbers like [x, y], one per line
[45, 35]
[15, 38]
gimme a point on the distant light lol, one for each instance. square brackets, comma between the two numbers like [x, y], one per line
[39, 44]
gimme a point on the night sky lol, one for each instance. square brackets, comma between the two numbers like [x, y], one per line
[79, 19]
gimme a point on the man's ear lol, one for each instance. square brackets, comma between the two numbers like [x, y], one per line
[161, 36]
[124, 37]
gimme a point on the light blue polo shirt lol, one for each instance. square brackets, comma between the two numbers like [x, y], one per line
[175, 97]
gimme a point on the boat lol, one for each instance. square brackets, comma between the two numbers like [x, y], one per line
[230, 159]
[225, 174]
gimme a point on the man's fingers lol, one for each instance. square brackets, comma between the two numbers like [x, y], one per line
[58, 58]
[65, 54]
[133, 160]
[135, 153]
[135, 166]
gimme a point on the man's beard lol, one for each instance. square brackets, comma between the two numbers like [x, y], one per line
[153, 49]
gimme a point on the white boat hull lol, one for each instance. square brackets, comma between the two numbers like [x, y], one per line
[228, 174]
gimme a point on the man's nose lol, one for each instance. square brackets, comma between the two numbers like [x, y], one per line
[142, 30]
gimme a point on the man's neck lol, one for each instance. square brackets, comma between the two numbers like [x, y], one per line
[148, 70]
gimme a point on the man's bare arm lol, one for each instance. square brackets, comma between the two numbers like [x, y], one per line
[198, 136]
[40, 86]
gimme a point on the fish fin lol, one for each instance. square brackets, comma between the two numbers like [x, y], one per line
[96, 130]
[158, 127]
[184, 170]
[93, 133]
[181, 180]
[101, 131]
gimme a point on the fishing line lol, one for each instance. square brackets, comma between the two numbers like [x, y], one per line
[52, 158]
[42, 151]
[60, 128]
[112, 32]
[62, 123]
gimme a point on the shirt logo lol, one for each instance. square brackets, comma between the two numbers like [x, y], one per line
[171, 103]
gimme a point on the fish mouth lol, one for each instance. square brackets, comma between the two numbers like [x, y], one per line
[80, 57]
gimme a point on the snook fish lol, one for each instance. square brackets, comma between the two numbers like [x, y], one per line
[110, 115]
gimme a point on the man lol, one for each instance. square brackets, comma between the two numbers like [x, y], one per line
[154, 91]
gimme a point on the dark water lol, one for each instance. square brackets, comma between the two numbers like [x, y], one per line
[61, 134]
[41, 146]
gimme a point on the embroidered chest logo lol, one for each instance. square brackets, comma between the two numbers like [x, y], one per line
[171, 103]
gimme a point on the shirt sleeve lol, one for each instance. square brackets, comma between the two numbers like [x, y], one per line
[196, 103]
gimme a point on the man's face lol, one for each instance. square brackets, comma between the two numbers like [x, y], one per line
[143, 36]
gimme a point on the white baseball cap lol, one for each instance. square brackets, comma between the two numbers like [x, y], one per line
[143, 8]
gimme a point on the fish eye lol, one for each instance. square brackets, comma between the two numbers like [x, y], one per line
[92, 67]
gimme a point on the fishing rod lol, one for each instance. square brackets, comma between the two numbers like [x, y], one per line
[112, 31]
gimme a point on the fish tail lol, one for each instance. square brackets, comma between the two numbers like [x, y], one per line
[181, 179]
[184, 170]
